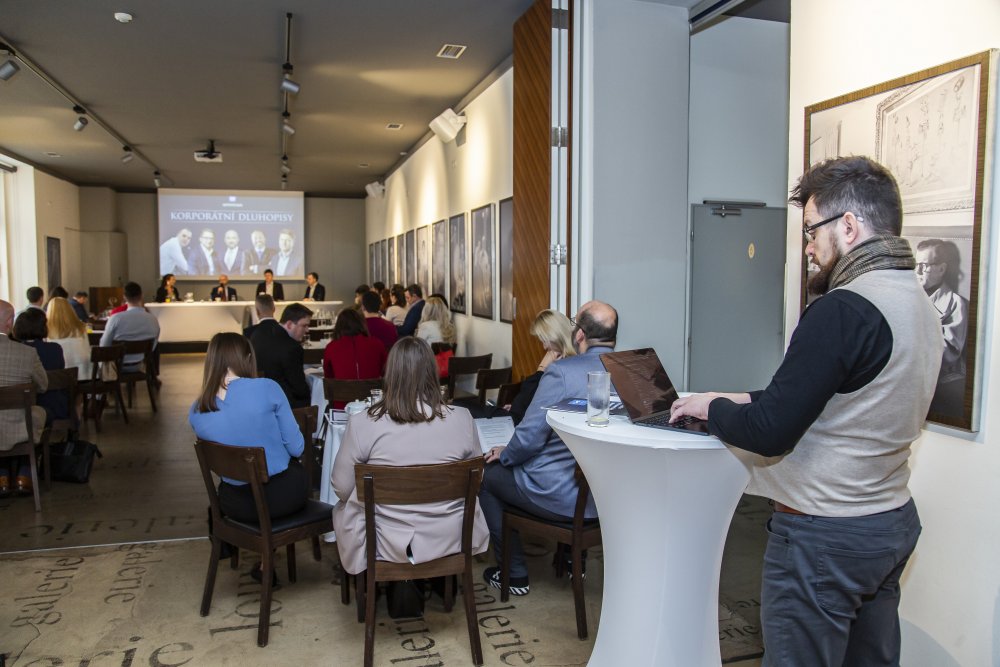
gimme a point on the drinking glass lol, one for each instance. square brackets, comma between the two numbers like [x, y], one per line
[376, 396]
[598, 398]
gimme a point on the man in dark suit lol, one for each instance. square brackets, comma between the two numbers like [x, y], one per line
[264, 305]
[278, 347]
[414, 309]
[79, 303]
[259, 256]
[204, 261]
[270, 287]
[222, 291]
[314, 291]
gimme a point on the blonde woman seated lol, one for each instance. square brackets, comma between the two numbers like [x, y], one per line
[67, 331]
[435, 322]
[410, 426]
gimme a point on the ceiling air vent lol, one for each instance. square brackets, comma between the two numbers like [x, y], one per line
[394, 126]
[451, 51]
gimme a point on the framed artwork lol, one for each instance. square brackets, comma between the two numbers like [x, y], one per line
[482, 261]
[411, 258]
[371, 263]
[383, 274]
[53, 262]
[505, 213]
[456, 232]
[390, 278]
[439, 258]
[931, 129]
[401, 260]
[424, 259]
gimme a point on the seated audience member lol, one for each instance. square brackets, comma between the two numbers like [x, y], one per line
[166, 292]
[378, 286]
[264, 305]
[414, 309]
[534, 471]
[353, 354]
[385, 300]
[36, 297]
[222, 291]
[314, 290]
[273, 289]
[409, 426]
[79, 305]
[134, 323]
[31, 329]
[69, 333]
[435, 322]
[359, 292]
[59, 291]
[278, 348]
[378, 328]
[237, 408]
[19, 364]
[396, 312]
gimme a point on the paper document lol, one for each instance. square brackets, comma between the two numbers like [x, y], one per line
[580, 405]
[494, 432]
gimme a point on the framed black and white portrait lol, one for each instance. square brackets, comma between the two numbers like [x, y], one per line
[505, 213]
[411, 258]
[482, 261]
[424, 259]
[458, 264]
[439, 258]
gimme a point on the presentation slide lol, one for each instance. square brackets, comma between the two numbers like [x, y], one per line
[240, 233]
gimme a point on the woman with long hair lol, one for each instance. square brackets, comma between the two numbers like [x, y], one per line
[237, 408]
[68, 332]
[409, 426]
[435, 322]
[166, 291]
[353, 354]
[396, 312]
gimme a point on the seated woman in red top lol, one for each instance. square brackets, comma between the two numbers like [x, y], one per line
[353, 354]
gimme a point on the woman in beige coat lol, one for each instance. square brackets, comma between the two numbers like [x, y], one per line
[409, 426]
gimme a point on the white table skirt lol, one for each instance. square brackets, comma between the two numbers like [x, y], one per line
[665, 500]
[200, 320]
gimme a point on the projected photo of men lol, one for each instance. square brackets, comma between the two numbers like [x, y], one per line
[204, 260]
[287, 261]
[234, 259]
[174, 253]
[259, 256]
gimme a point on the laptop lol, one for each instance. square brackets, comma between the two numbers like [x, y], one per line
[646, 391]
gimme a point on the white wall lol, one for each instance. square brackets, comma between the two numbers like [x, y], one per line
[440, 180]
[57, 209]
[951, 591]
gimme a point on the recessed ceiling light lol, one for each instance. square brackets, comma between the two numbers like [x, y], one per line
[394, 126]
[364, 165]
[451, 51]
[123, 17]
[402, 152]
[51, 154]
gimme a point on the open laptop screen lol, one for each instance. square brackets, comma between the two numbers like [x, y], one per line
[641, 381]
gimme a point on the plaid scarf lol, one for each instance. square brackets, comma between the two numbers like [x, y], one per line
[879, 252]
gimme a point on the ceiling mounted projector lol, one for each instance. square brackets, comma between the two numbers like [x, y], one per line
[209, 154]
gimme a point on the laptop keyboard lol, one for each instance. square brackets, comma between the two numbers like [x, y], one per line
[664, 420]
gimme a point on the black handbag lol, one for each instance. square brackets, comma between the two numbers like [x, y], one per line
[405, 599]
[72, 461]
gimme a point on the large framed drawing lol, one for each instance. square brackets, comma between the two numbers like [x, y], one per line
[439, 261]
[482, 261]
[53, 262]
[456, 232]
[371, 262]
[411, 259]
[383, 274]
[505, 213]
[424, 259]
[934, 131]
[401, 260]
[390, 277]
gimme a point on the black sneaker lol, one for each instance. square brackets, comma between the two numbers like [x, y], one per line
[569, 569]
[518, 585]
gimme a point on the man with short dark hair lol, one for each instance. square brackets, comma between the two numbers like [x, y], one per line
[278, 348]
[379, 328]
[414, 309]
[834, 427]
[534, 472]
[314, 291]
[360, 291]
[79, 304]
[36, 297]
[264, 305]
[271, 287]
[203, 260]
[286, 263]
[133, 323]
[58, 291]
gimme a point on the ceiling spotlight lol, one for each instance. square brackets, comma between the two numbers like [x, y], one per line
[285, 127]
[447, 125]
[287, 84]
[81, 120]
[8, 69]
[156, 179]
[123, 17]
[285, 169]
[375, 189]
[284, 182]
[129, 155]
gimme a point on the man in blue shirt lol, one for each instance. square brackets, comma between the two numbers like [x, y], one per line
[534, 471]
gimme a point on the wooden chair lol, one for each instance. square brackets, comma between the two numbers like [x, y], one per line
[308, 420]
[249, 464]
[146, 373]
[491, 378]
[22, 397]
[346, 391]
[579, 534]
[63, 379]
[410, 485]
[313, 355]
[94, 337]
[465, 366]
[100, 385]
[507, 393]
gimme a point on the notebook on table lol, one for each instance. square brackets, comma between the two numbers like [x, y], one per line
[646, 391]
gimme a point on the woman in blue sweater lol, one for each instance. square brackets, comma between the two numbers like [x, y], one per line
[237, 408]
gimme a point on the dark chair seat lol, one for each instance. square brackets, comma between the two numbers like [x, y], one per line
[566, 525]
[313, 511]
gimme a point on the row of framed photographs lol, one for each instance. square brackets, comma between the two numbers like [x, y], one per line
[457, 258]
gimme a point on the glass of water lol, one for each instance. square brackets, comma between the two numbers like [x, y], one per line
[376, 396]
[598, 398]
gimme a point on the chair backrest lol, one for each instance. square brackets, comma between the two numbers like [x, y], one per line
[243, 464]
[63, 378]
[313, 355]
[491, 378]
[308, 420]
[465, 366]
[410, 485]
[349, 390]
[20, 397]
[94, 337]
[143, 347]
[582, 493]
[507, 393]
[112, 354]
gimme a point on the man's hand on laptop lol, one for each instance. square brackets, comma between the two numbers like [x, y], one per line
[696, 405]
[494, 453]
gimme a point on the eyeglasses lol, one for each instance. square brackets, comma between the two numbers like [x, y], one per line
[809, 231]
